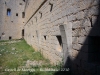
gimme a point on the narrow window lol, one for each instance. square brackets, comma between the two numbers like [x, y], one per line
[24, 0]
[20, 3]
[40, 14]
[8, 12]
[45, 37]
[37, 33]
[59, 40]
[0, 37]
[16, 14]
[23, 32]
[51, 6]
[12, 21]
[10, 37]
[23, 14]
[3, 33]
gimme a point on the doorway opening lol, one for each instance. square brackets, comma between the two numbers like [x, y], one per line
[10, 37]
[22, 33]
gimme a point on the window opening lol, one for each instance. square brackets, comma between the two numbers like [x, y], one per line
[51, 6]
[8, 12]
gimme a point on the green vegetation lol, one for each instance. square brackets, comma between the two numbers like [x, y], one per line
[17, 54]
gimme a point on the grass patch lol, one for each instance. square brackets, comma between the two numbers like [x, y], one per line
[15, 54]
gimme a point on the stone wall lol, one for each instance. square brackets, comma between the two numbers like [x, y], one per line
[62, 30]
[74, 22]
[11, 25]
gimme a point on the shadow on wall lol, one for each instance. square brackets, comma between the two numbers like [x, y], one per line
[87, 62]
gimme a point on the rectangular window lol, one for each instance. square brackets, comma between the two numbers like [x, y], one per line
[23, 14]
[8, 12]
[16, 14]
[59, 40]
[45, 37]
[51, 6]
[40, 14]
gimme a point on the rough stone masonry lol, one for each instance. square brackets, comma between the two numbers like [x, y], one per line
[62, 30]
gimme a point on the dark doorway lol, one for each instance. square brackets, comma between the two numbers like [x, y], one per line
[10, 37]
[22, 33]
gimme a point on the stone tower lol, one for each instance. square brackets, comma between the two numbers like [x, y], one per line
[11, 19]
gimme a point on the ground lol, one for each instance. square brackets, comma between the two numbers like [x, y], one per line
[18, 58]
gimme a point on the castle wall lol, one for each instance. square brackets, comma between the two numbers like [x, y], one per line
[62, 30]
[12, 24]
[73, 21]
[30, 7]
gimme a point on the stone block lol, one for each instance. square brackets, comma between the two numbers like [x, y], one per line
[84, 4]
[94, 10]
[74, 40]
[88, 30]
[76, 46]
[71, 17]
[75, 53]
[83, 40]
[86, 22]
[75, 33]
[76, 24]
[82, 32]
[80, 15]
[94, 19]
